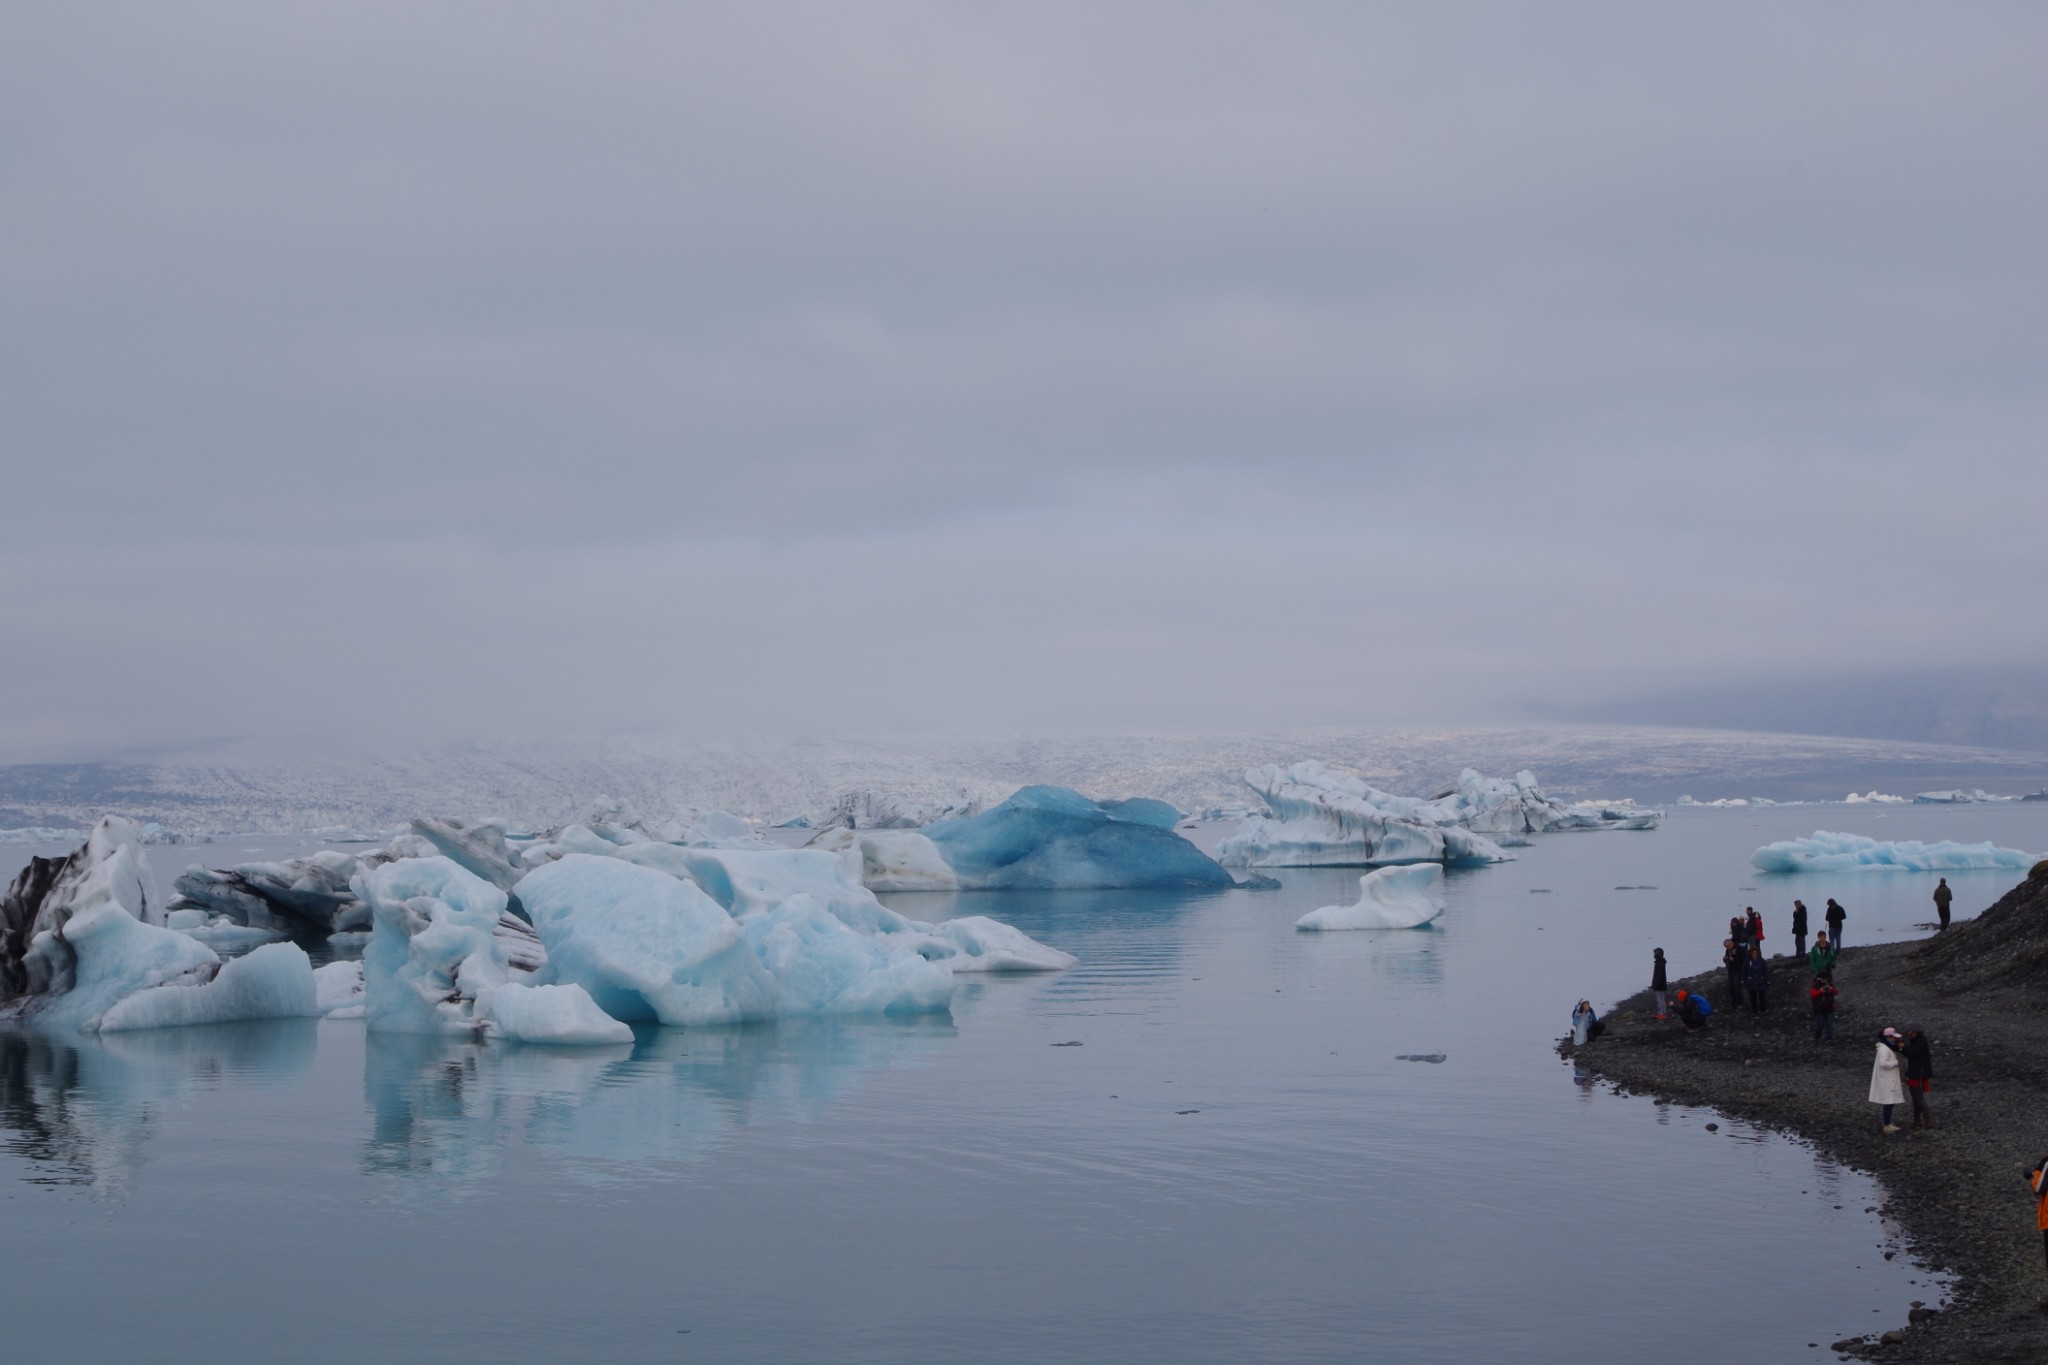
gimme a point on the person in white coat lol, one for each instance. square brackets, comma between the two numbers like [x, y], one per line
[1886, 1088]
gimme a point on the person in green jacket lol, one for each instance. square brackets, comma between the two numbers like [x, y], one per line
[1821, 957]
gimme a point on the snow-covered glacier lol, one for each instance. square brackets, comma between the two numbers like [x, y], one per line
[1318, 817]
[1388, 898]
[1824, 851]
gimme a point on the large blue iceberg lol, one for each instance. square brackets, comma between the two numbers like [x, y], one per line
[1052, 838]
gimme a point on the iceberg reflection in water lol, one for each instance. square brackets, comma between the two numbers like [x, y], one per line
[81, 1110]
[454, 1110]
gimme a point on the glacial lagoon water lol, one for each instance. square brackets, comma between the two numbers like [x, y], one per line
[1198, 1145]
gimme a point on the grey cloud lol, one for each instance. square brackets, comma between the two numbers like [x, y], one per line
[1205, 366]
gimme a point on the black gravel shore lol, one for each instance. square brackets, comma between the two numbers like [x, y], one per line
[1957, 1189]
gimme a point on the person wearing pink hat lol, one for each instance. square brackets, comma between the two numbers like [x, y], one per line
[1885, 1087]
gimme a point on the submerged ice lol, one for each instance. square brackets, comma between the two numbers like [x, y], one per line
[1823, 851]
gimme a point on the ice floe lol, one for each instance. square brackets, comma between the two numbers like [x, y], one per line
[1388, 898]
[1823, 851]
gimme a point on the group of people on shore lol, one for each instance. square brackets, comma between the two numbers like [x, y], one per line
[1904, 1065]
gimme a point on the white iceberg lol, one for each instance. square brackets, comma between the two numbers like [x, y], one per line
[1828, 852]
[1388, 898]
[1968, 797]
[434, 947]
[272, 982]
[1321, 818]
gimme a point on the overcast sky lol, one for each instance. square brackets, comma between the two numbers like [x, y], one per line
[407, 370]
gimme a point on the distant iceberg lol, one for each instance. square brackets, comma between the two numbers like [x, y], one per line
[1318, 817]
[1873, 797]
[1042, 838]
[1388, 898]
[1970, 797]
[1827, 852]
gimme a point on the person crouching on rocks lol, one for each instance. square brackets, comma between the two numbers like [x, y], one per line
[1586, 1025]
[1693, 1010]
[1822, 993]
[1885, 1090]
[1919, 1075]
[1756, 979]
[1657, 981]
[1821, 961]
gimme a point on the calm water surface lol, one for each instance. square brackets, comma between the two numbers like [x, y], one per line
[1230, 1165]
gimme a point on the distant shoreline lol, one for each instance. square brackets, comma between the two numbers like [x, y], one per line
[1957, 1190]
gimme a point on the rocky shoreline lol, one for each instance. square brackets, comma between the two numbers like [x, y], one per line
[1957, 1189]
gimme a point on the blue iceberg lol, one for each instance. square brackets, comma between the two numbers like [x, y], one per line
[1825, 851]
[1055, 839]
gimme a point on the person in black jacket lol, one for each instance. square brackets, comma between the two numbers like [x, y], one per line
[1799, 927]
[1942, 897]
[1734, 957]
[1756, 979]
[1657, 981]
[1835, 915]
[1919, 1076]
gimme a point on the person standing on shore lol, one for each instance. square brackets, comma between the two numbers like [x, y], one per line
[1658, 983]
[1919, 1075]
[1738, 932]
[1756, 979]
[1885, 1090]
[1822, 993]
[1942, 897]
[1822, 959]
[1835, 915]
[1799, 927]
[1754, 924]
[1735, 957]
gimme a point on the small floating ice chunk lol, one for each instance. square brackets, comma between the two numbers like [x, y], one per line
[1823, 851]
[1388, 898]
[562, 1015]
